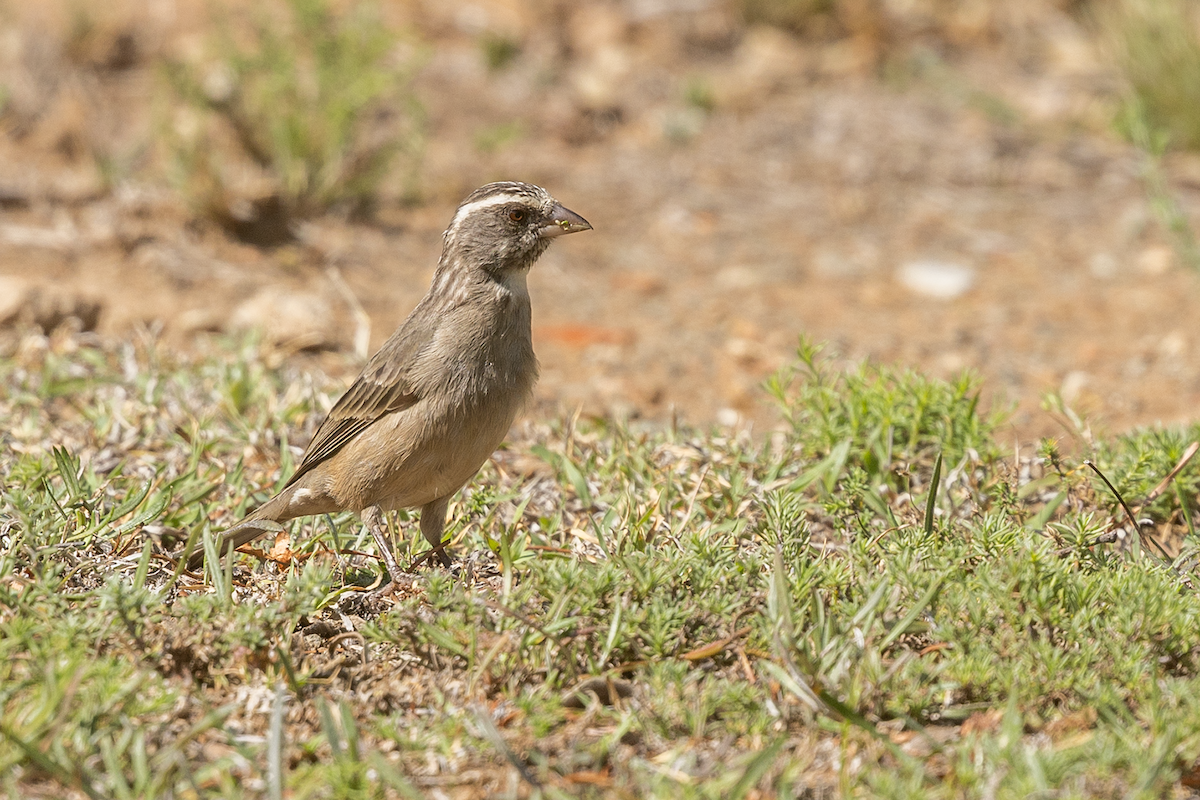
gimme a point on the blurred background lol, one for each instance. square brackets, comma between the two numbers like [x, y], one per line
[950, 184]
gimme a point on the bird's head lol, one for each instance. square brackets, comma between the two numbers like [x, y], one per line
[504, 227]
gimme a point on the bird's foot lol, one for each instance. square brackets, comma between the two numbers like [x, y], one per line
[397, 585]
[399, 578]
[429, 555]
[374, 520]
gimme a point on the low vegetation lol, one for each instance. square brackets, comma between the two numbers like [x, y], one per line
[309, 114]
[1156, 45]
[878, 600]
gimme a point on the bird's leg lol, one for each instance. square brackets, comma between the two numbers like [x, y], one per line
[372, 516]
[433, 523]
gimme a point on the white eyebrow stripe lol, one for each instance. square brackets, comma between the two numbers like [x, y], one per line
[486, 202]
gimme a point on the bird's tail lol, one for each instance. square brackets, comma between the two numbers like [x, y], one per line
[263, 520]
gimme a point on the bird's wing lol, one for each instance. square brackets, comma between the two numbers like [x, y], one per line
[383, 388]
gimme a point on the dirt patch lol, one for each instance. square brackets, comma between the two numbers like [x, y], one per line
[746, 186]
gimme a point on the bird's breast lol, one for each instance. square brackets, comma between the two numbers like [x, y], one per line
[472, 380]
[482, 354]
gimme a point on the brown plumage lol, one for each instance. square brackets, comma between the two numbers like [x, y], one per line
[439, 396]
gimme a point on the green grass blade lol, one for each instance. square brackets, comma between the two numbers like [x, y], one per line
[931, 503]
[904, 622]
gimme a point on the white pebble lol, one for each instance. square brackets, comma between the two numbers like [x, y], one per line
[939, 279]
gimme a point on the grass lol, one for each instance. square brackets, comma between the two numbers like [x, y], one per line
[315, 105]
[1135, 121]
[875, 602]
[1156, 44]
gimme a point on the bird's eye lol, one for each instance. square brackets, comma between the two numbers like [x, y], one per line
[517, 215]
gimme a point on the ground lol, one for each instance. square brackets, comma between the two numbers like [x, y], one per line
[746, 186]
[888, 595]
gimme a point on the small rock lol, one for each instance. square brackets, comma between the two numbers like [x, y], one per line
[1173, 345]
[1103, 266]
[1184, 167]
[766, 59]
[1133, 221]
[13, 295]
[63, 236]
[1073, 385]
[1155, 260]
[728, 417]
[938, 279]
[848, 58]
[192, 320]
[1071, 51]
[594, 27]
[738, 277]
[681, 125]
[25, 304]
[173, 261]
[841, 263]
[287, 316]
[744, 350]
[600, 82]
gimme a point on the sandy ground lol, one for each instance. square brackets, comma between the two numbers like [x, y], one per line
[959, 208]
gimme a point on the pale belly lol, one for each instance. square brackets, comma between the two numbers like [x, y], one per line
[402, 463]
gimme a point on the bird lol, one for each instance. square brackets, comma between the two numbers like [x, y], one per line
[438, 398]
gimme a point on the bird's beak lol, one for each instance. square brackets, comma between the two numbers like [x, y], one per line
[563, 220]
